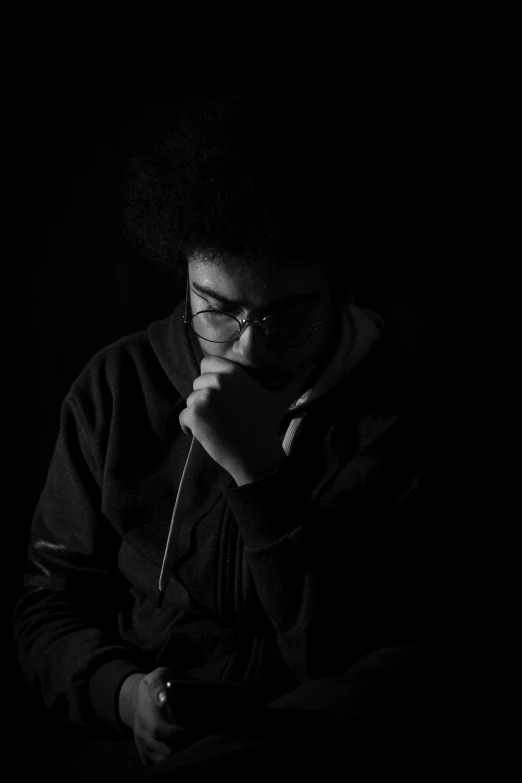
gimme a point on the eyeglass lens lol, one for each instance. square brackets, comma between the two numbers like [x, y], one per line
[220, 327]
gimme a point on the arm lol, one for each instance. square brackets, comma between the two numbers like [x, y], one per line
[64, 622]
[339, 578]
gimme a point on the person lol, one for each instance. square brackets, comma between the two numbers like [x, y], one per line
[230, 562]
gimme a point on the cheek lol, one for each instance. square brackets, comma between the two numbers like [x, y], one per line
[212, 349]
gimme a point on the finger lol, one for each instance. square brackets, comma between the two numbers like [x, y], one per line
[162, 674]
[155, 758]
[182, 422]
[208, 380]
[156, 746]
[168, 733]
[163, 696]
[211, 364]
[158, 681]
[194, 396]
[149, 747]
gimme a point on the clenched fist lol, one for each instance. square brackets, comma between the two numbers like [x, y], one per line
[237, 420]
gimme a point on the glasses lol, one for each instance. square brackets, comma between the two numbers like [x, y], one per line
[281, 330]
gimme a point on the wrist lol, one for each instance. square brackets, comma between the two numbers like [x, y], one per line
[127, 698]
[255, 469]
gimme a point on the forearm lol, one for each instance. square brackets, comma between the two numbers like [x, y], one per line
[327, 585]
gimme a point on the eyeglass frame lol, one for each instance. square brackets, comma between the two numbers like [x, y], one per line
[243, 323]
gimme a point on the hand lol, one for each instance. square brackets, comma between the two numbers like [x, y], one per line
[155, 735]
[237, 420]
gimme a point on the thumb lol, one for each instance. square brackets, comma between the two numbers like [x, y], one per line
[160, 682]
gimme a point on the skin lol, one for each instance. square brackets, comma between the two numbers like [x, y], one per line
[245, 387]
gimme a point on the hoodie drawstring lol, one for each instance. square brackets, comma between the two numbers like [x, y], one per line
[169, 548]
[168, 556]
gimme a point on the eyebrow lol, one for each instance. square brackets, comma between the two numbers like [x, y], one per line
[285, 300]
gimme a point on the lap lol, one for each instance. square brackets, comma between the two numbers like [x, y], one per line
[101, 760]
[318, 725]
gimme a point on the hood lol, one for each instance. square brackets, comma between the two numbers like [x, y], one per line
[177, 349]
[180, 355]
[360, 330]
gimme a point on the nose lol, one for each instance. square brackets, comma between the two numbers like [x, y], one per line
[252, 348]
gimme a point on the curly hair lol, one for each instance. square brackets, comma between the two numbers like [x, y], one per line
[274, 182]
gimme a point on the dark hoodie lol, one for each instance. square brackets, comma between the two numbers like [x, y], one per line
[287, 579]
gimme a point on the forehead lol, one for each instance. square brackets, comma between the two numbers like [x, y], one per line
[257, 286]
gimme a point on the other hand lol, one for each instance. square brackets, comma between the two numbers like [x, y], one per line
[155, 735]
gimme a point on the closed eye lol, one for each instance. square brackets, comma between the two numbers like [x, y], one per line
[209, 306]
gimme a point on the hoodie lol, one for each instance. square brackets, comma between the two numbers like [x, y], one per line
[287, 579]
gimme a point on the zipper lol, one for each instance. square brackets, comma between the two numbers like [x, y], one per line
[229, 604]
[227, 575]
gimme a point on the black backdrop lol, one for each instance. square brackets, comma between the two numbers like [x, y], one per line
[77, 112]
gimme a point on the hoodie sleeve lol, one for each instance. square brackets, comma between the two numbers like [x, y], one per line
[340, 578]
[65, 619]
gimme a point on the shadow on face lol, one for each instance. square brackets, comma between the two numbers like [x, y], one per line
[254, 293]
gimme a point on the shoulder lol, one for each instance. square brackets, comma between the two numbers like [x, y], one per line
[124, 373]
[115, 358]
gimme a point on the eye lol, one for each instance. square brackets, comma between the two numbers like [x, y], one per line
[204, 303]
[209, 306]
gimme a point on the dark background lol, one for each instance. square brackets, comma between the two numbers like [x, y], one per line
[77, 111]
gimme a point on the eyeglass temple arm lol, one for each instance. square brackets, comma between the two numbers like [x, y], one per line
[186, 302]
